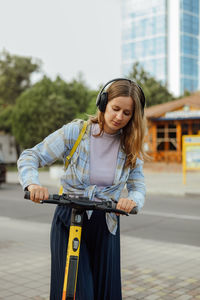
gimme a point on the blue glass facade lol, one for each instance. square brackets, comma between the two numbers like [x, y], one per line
[189, 28]
[144, 36]
[145, 39]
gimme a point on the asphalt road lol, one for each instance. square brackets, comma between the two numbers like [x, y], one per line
[172, 219]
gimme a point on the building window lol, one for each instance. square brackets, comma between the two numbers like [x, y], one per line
[188, 84]
[189, 66]
[189, 24]
[189, 45]
[184, 128]
[195, 128]
[190, 5]
[166, 137]
[172, 137]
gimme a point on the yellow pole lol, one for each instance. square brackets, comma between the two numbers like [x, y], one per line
[72, 258]
[184, 159]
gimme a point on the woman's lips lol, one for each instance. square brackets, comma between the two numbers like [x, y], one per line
[116, 123]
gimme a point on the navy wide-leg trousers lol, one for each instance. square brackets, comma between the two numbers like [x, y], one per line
[99, 275]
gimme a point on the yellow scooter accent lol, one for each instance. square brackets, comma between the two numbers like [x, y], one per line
[73, 250]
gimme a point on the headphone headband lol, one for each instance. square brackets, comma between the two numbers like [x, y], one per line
[102, 98]
[112, 80]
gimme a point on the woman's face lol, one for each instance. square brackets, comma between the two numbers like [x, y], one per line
[117, 114]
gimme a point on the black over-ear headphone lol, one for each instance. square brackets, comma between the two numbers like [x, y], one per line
[102, 98]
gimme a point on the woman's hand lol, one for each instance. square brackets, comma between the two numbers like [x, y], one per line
[125, 204]
[38, 193]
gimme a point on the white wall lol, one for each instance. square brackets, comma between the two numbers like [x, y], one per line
[174, 46]
[7, 148]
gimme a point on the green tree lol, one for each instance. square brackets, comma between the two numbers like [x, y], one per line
[6, 114]
[91, 108]
[15, 78]
[77, 90]
[155, 92]
[45, 107]
[15, 75]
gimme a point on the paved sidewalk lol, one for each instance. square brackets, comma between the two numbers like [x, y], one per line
[159, 270]
[150, 269]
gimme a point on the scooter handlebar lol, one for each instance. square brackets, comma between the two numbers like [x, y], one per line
[77, 200]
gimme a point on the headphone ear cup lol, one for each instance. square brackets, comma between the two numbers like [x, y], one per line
[103, 100]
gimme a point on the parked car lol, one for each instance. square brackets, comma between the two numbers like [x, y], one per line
[2, 169]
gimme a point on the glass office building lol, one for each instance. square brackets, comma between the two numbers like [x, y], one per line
[163, 35]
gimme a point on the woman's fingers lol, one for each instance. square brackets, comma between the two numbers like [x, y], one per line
[38, 193]
[126, 204]
[46, 194]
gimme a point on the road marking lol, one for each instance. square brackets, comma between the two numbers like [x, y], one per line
[170, 215]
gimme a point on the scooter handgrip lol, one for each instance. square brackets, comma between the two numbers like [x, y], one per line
[27, 195]
[51, 196]
[134, 211]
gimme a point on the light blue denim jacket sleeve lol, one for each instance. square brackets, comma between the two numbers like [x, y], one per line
[55, 146]
[136, 184]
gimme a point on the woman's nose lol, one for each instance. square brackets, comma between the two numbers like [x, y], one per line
[119, 115]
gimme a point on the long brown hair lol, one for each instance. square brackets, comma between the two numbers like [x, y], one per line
[132, 139]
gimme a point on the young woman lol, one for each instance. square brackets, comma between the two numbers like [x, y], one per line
[109, 156]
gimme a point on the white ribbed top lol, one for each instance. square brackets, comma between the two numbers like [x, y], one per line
[103, 157]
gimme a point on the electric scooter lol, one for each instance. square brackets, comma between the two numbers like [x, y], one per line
[79, 205]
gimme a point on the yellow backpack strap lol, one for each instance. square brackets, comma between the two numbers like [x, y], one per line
[76, 144]
[73, 150]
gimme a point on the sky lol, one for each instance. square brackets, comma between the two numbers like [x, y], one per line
[69, 36]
